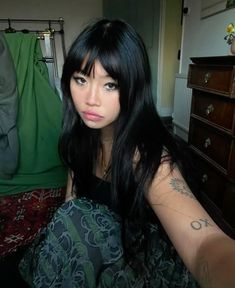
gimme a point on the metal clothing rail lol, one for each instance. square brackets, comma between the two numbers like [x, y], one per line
[51, 29]
[46, 34]
[60, 21]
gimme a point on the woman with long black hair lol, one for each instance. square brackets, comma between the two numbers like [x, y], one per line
[131, 218]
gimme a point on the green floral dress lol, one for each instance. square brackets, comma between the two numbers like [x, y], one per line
[82, 247]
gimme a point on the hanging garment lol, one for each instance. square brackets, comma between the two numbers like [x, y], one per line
[39, 120]
[9, 143]
[49, 56]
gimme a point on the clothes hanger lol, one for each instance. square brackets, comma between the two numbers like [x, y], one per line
[10, 29]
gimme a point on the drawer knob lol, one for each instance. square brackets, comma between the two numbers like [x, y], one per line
[207, 142]
[209, 109]
[204, 178]
[207, 77]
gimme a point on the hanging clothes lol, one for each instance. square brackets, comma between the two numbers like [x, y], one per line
[39, 120]
[9, 142]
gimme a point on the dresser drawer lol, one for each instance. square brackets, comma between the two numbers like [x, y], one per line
[211, 143]
[212, 183]
[216, 79]
[214, 109]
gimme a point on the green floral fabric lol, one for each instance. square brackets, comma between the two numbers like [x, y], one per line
[82, 247]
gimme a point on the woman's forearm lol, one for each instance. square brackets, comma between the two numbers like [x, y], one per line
[215, 264]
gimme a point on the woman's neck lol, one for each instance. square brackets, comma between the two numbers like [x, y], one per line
[107, 135]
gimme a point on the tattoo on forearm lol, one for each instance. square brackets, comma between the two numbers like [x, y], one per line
[180, 186]
[200, 224]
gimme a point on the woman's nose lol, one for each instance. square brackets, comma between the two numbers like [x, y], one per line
[93, 98]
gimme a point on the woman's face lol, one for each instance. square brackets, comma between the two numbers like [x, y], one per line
[96, 97]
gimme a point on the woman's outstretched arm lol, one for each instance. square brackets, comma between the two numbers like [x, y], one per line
[205, 249]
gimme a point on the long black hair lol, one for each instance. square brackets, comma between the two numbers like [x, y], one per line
[138, 128]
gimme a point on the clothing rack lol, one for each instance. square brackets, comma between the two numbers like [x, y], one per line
[47, 34]
[50, 28]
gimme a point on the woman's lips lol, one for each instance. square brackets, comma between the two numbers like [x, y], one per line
[91, 116]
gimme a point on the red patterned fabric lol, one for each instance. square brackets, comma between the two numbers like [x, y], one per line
[23, 215]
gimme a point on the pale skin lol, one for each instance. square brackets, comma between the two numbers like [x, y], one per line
[207, 252]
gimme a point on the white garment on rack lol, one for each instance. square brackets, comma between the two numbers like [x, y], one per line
[58, 87]
[49, 58]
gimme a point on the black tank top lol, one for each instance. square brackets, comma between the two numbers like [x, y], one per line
[101, 192]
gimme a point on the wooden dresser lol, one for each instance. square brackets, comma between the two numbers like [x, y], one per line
[212, 134]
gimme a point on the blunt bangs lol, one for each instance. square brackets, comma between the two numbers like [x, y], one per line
[107, 42]
[120, 51]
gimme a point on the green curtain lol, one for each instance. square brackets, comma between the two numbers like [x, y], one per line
[39, 120]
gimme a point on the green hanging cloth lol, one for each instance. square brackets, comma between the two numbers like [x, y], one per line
[39, 120]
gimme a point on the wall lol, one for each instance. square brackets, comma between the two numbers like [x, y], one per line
[204, 37]
[200, 37]
[75, 13]
[169, 64]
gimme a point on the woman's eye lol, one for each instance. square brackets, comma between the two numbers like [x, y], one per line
[80, 80]
[111, 86]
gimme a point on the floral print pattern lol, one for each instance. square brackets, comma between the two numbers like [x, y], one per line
[82, 247]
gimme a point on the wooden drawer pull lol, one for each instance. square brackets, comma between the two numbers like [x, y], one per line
[207, 77]
[209, 109]
[207, 142]
[204, 178]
